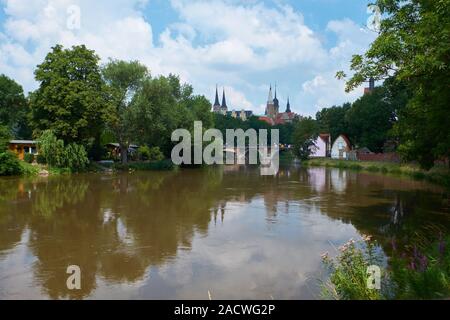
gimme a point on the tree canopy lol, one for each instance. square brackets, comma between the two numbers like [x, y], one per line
[71, 99]
[412, 48]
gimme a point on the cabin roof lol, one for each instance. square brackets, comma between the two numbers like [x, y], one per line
[23, 142]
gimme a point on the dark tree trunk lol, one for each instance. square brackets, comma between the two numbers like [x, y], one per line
[124, 153]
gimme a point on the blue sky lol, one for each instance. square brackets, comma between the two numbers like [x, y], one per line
[243, 46]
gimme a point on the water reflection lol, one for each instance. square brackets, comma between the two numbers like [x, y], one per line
[181, 234]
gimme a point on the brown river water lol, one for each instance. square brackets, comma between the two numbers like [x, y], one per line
[224, 232]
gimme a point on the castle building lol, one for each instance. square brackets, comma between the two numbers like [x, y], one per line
[244, 115]
[273, 116]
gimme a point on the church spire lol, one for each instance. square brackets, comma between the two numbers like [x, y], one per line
[224, 101]
[270, 98]
[288, 107]
[275, 100]
[216, 102]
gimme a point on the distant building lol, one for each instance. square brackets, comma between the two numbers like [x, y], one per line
[341, 147]
[371, 86]
[322, 146]
[21, 147]
[272, 115]
[244, 115]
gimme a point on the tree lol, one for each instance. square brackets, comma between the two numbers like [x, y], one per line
[13, 108]
[71, 99]
[56, 154]
[371, 119]
[412, 47]
[333, 120]
[305, 132]
[162, 105]
[5, 137]
[124, 79]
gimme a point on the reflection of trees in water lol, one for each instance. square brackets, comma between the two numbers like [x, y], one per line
[116, 226]
[57, 193]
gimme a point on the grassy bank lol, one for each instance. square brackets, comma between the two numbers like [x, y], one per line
[438, 175]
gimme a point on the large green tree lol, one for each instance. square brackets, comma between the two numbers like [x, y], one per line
[13, 108]
[413, 47]
[305, 132]
[71, 99]
[371, 119]
[124, 79]
[162, 105]
[333, 120]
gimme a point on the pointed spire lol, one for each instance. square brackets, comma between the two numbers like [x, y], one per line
[270, 98]
[224, 101]
[288, 107]
[216, 102]
[275, 100]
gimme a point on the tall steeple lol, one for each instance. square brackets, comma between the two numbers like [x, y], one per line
[270, 98]
[216, 102]
[224, 101]
[288, 107]
[275, 101]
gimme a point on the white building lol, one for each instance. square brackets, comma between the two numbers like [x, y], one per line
[322, 145]
[341, 147]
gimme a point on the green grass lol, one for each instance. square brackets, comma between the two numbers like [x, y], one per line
[438, 175]
[28, 169]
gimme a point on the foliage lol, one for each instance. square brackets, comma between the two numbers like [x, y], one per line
[162, 105]
[305, 133]
[71, 99]
[144, 153]
[28, 158]
[412, 47]
[124, 79]
[348, 270]
[75, 157]
[13, 108]
[370, 120]
[57, 155]
[151, 154]
[29, 169]
[333, 120]
[51, 149]
[423, 271]
[439, 174]
[5, 137]
[9, 164]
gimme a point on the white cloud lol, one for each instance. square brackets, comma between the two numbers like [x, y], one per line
[234, 43]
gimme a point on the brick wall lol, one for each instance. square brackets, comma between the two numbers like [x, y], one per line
[381, 157]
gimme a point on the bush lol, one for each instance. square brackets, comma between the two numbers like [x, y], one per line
[75, 157]
[40, 159]
[9, 164]
[423, 271]
[55, 154]
[28, 158]
[349, 271]
[156, 154]
[5, 136]
[144, 153]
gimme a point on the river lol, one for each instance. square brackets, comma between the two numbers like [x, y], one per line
[220, 233]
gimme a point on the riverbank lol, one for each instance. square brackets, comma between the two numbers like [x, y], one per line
[34, 170]
[438, 175]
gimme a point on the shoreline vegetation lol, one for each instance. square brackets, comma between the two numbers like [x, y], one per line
[439, 174]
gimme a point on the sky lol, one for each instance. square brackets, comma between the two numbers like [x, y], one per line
[243, 46]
